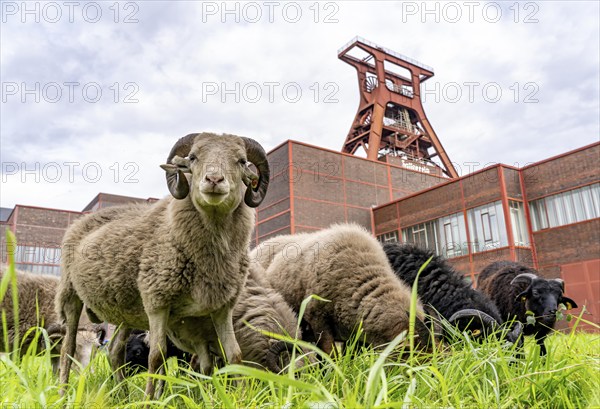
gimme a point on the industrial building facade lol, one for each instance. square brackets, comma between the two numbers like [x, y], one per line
[312, 187]
[39, 231]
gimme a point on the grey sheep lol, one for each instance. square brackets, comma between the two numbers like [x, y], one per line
[517, 289]
[36, 294]
[170, 263]
[345, 265]
[261, 307]
[446, 290]
[265, 309]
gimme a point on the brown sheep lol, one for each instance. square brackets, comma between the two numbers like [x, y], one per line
[347, 266]
[36, 309]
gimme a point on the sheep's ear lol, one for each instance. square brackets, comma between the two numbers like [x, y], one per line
[178, 164]
[569, 303]
[250, 178]
[182, 163]
[169, 168]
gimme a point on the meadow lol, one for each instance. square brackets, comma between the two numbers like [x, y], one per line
[464, 373]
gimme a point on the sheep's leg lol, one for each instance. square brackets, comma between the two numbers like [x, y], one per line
[117, 353]
[158, 349]
[203, 357]
[540, 341]
[326, 341]
[71, 308]
[322, 331]
[520, 348]
[223, 322]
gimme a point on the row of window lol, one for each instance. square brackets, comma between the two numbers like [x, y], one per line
[38, 259]
[38, 254]
[447, 236]
[39, 268]
[565, 208]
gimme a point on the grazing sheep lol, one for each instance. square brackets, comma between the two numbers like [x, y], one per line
[517, 289]
[265, 309]
[181, 257]
[137, 351]
[261, 307]
[446, 290]
[36, 294]
[345, 265]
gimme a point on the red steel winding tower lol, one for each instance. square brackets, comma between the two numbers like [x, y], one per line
[391, 124]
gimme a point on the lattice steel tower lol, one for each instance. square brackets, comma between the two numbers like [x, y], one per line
[391, 124]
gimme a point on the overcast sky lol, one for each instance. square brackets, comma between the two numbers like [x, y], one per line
[94, 94]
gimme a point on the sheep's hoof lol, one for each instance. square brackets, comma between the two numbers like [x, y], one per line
[236, 358]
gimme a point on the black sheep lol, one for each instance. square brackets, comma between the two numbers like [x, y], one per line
[517, 289]
[137, 351]
[446, 290]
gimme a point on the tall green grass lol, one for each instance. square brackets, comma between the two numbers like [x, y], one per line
[463, 374]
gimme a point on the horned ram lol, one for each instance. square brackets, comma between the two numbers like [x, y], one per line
[519, 292]
[172, 263]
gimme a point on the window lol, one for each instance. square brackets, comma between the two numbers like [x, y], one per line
[517, 220]
[422, 235]
[454, 236]
[565, 208]
[445, 236]
[539, 215]
[38, 259]
[390, 237]
[487, 227]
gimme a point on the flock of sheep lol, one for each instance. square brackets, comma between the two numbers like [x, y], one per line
[180, 270]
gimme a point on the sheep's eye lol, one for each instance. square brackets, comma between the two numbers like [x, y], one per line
[243, 161]
[193, 157]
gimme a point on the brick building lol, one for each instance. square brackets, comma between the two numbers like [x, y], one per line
[312, 187]
[545, 215]
[39, 231]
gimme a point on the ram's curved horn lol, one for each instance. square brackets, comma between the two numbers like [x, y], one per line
[176, 180]
[489, 324]
[513, 336]
[524, 278]
[527, 279]
[257, 184]
[561, 282]
[274, 353]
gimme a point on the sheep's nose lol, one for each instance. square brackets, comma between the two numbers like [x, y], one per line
[214, 179]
